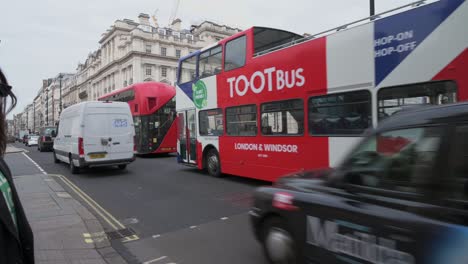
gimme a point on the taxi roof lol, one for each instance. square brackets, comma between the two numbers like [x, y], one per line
[430, 115]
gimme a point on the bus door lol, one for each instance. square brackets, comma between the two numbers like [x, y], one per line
[188, 136]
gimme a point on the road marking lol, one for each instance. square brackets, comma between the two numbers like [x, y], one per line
[88, 200]
[154, 260]
[37, 165]
[105, 215]
[224, 218]
[88, 241]
[192, 227]
[155, 236]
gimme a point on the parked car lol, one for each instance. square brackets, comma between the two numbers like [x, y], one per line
[46, 138]
[92, 134]
[25, 139]
[399, 197]
[32, 140]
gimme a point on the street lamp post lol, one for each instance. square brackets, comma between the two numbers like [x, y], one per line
[60, 102]
[372, 7]
[47, 107]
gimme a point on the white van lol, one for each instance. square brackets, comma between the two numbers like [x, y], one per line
[92, 134]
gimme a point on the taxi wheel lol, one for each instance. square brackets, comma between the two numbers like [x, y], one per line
[212, 163]
[278, 243]
[122, 166]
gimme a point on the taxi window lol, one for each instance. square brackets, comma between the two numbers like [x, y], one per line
[458, 182]
[400, 160]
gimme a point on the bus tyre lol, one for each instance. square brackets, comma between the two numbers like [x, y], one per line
[278, 243]
[212, 163]
[55, 158]
[73, 168]
[122, 166]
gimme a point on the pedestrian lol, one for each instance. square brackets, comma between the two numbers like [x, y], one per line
[16, 238]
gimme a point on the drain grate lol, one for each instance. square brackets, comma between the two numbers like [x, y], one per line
[121, 233]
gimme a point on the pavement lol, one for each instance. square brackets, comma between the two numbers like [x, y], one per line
[155, 211]
[64, 230]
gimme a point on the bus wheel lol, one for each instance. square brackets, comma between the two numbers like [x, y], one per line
[278, 243]
[212, 163]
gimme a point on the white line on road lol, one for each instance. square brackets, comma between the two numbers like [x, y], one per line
[37, 165]
[154, 260]
[224, 218]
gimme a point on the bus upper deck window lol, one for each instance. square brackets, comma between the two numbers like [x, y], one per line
[209, 62]
[187, 70]
[235, 53]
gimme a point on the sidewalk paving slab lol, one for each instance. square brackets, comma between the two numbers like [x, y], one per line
[61, 225]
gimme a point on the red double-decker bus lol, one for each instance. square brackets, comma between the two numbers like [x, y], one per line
[153, 108]
[267, 102]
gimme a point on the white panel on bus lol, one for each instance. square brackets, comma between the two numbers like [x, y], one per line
[434, 53]
[350, 58]
[212, 92]
[182, 100]
[338, 147]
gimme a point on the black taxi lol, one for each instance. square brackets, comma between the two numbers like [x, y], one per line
[401, 196]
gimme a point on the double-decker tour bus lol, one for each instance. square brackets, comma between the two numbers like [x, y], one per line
[153, 108]
[267, 102]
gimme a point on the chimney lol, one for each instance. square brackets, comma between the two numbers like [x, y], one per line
[176, 24]
[45, 83]
[144, 19]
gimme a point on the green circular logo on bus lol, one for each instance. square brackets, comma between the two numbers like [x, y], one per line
[200, 94]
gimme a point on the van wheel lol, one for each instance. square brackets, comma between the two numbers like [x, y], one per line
[122, 166]
[278, 243]
[55, 158]
[73, 168]
[212, 163]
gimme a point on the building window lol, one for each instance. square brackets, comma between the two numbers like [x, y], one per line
[148, 48]
[241, 120]
[210, 62]
[164, 71]
[130, 81]
[283, 117]
[148, 70]
[235, 54]
[177, 53]
[394, 99]
[340, 114]
[211, 122]
[163, 51]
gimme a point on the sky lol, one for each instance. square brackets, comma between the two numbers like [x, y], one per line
[39, 39]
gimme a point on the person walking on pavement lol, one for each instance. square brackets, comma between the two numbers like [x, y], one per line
[16, 237]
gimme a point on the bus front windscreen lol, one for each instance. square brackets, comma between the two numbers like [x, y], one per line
[150, 130]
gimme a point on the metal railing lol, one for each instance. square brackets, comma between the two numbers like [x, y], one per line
[345, 26]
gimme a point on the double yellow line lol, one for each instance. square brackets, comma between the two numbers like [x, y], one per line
[106, 216]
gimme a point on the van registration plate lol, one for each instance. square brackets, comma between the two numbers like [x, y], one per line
[97, 156]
